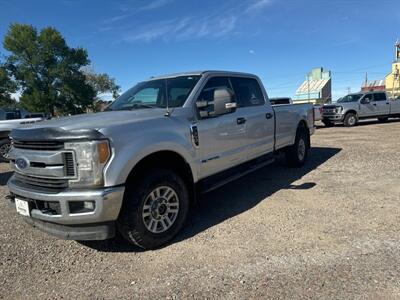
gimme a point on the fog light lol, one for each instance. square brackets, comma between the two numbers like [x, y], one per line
[88, 205]
[79, 207]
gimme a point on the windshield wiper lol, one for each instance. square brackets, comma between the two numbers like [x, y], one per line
[134, 106]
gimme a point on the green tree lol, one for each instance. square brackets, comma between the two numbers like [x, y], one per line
[102, 84]
[7, 87]
[47, 71]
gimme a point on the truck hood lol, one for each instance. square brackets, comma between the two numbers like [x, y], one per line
[343, 104]
[101, 120]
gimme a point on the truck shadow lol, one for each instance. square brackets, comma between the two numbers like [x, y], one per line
[235, 198]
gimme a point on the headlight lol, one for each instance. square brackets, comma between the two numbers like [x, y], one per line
[338, 109]
[91, 158]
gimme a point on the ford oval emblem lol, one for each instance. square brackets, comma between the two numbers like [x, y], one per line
[22, 163]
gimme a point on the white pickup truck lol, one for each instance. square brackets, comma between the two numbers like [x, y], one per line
[5, 128]
[139, 166]
[360, 106]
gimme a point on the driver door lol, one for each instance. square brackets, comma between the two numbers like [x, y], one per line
[220, 137]
[367, 108]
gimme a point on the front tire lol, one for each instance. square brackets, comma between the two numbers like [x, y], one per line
[297, 154]
[155, 209]
[5, 147]
[383, 119]
[328, 123]
[350, 120]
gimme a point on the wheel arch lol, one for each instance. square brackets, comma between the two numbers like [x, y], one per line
[164, 159]
[353, 111]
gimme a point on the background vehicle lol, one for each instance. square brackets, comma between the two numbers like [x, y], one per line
[288, 100]
[139, 166]
[353, 107]
[317, 112]
[280, 100]
[9, 120]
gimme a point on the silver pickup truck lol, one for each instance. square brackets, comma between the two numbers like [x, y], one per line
[138, 167]
[353, 107]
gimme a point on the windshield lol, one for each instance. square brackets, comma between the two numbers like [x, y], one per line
[350, 98]
[150, 94]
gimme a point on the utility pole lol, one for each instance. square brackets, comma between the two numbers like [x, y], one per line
[308, 87]
[348, 90]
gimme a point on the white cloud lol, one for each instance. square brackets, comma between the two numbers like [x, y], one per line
[252, 52]
[155, 4]
[183, 29]
[257, 5]
[213, 25]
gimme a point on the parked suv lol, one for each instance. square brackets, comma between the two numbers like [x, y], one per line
[139, 166]
[354, 107]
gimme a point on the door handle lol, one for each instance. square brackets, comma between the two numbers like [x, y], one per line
[387, 103]
[374, 104]
[269, 115]
[240, 121]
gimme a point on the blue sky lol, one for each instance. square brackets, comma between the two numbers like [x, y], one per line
[279, 40]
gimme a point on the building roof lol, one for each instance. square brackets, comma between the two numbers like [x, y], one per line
[312, 85]
[372, 83]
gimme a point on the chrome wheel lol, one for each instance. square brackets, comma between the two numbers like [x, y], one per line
[5, 150]
[160, 209]
[301, 149]
[352, 120]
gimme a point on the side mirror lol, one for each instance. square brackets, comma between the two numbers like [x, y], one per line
[222, 104]
[223, 101]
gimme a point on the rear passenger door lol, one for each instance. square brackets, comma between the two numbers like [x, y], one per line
[257, 117]
[381, 104]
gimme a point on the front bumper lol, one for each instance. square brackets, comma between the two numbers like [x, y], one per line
[333, 118]
[108, 202]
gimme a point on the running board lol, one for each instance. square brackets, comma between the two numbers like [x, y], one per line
[216, 181]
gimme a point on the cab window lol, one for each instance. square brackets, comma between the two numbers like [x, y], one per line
[370, 97]
[207, 94]
[248, 92]
[380, 97]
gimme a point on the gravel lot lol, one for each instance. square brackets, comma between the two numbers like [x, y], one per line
[329, 230]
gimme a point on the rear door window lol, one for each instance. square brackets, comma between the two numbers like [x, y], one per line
[247, 91]
[380, 97]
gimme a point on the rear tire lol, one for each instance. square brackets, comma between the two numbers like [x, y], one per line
[155, 209]
[297, 154]
[350, 120]
[5, 147]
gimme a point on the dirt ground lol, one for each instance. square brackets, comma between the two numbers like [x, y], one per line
[329, 230]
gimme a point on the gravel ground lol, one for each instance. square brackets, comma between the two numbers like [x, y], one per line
[328, 230]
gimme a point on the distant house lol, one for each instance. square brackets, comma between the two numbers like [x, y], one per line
[373, 85]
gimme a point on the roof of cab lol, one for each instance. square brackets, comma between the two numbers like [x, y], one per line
[227, 73]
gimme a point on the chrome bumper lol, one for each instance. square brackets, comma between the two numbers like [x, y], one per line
[332, 117]
[108, 202]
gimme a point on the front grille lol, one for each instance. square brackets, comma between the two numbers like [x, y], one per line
[52, 184]
[38, 145]
[69, 164]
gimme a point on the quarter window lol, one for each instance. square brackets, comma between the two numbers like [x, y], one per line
[248, 92]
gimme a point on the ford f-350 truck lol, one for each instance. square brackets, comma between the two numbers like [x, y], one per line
[364, 105]
[138, 166]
